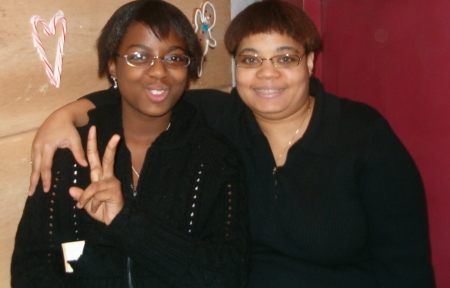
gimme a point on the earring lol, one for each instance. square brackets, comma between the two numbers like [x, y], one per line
[115, 82]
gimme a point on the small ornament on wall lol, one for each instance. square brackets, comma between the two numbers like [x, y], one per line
[53, 72]
[204, 21]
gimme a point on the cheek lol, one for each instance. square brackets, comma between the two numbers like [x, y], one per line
[244, 77]
[179, 78]
[296, 76]
[129, 73]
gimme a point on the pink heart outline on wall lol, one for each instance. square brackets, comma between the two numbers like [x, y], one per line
[53, 75]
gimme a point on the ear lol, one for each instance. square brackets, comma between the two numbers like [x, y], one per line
[112, 68]
[310, 63]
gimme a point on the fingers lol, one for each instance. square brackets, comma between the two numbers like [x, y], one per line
[106, 190]
[90, 205]
[46, 163]
[102, 200]
[41, 164]
[78, 152]
[108, 157]
[35, 174]
[93, 157]
[34, 179]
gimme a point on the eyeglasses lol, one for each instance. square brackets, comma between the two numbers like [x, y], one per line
[144, 60]
[279, 61]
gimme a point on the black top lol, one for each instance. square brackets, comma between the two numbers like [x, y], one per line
[346, 210]
[186, 227]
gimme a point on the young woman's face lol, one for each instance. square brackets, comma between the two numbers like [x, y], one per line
[270, 92]
[151, 91]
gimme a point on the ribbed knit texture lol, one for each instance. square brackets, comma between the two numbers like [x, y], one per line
[186, 227]
[346, 210]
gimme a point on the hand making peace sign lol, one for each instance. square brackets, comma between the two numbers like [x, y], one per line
[103, 198]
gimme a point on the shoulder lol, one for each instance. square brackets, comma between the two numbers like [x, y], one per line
[363, 126]
[354, 110]
[352, 116]
[340, 123]
[103, 97]
[218, 110]
[216, 147]
[201, 95]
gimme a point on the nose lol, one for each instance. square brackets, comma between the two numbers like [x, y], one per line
[267, 69]
[158, 69]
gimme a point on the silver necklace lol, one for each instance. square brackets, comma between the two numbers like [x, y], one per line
[132, 167]
[135, 172]
[296, 131]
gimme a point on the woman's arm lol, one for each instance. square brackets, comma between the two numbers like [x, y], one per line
[395, 204]
[37, 260]
[58, 131]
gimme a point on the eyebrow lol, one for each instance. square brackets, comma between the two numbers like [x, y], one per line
[279, 49]
[290, 48]
[172, 48]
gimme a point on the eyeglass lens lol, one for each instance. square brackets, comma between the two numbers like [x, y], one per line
[144, 60]
[279, 61]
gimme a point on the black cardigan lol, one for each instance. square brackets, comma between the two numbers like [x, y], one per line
[185, 228]
[346, 210]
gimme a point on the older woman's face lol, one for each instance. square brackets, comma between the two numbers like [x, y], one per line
[270, 92]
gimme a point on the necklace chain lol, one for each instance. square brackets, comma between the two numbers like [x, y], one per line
[296, 131]
[135, 172]
[132, 167]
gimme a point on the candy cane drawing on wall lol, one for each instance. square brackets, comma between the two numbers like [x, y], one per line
[204, 21]
[53, 72]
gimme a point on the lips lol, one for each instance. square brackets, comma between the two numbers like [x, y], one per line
[157, 94]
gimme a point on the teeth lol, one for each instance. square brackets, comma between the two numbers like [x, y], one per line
[268, 91]
[157, 92]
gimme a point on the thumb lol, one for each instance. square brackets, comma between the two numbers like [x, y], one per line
[76, 192]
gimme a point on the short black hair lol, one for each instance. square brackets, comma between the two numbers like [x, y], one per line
[273, 16]
[161, 17]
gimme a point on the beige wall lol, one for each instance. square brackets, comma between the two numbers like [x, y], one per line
[27, 97]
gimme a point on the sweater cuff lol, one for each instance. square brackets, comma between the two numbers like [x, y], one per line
[148, 240]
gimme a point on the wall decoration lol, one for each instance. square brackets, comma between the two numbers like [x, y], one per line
[53, 72]
[204, 21]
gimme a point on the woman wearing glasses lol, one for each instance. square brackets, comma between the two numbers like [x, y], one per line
[335, 199]
[165, 207]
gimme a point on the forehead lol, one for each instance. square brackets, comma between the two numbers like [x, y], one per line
[141, 36]
[269, 43]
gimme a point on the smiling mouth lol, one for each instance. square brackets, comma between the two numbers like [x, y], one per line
[269, 91]
[157, 95]
[157, 92]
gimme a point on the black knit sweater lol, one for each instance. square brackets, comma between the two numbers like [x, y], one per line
[186, 227]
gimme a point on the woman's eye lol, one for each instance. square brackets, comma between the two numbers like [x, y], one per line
[138, 57]
[286, 59]
[249, 60]
[173, 58]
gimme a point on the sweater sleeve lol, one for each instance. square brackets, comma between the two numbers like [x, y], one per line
[101, 98]
[37, 258]
[394, 201]
[210, 104]
[215, 257]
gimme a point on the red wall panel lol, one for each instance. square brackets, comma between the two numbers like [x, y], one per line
[394, 55]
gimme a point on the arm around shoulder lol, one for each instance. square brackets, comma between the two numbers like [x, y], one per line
[58, 131]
